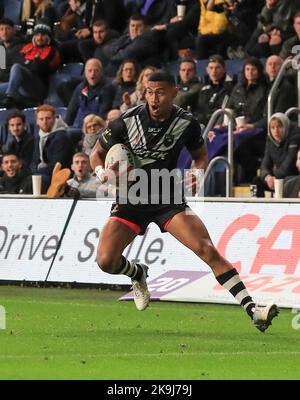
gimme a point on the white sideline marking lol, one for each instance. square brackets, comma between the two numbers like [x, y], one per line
[126, 355]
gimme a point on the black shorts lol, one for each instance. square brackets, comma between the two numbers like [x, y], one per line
[138, 218]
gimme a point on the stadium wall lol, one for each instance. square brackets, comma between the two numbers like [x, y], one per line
[260, 239]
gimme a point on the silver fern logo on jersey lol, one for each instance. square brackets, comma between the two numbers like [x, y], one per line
[2, 57]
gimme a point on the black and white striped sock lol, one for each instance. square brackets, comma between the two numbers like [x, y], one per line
[130, 269]
[231, 281]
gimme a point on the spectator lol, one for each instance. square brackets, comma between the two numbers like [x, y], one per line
[140, 44]
[52, 144]
[280, 153]
[154, 11]
[92, 48]
[92, 128]
[289, 44]
[215, 89]
[28, 81]
[111, 11]
[72, 21]
[112, 115]
[35, 11]
[249, 96]
[291, 188]
[20, 141]
[12, 43]
[93, 96]
[273, 28]
[248, 99]
[16, 179]
[285, 96]
[138, 96]
[125, 81]
[213, 29]
[180, 31]
[82, 179]
[189, 85]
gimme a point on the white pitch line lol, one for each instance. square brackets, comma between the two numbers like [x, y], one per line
[104, 304]
[128, 355]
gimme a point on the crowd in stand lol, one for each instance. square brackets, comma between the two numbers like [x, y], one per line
[120, 43]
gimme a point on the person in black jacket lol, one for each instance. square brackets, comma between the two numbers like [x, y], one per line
[29, 79]
[248, 100]
[214, 91]
[12, 43]
[125, 81]
[180, 31]
[291, 187]
[140, 44]
[289, 44]
[189, 85]
[20, 141]
[92, 48]
[16, 179]
[279, 159]
[111, 11]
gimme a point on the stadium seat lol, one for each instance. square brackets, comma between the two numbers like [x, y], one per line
[12, 10]
[61, 111]
[201, 68]
[3, 116]
[234, 68]
[3, 126]
[71, 70]
[30, 119]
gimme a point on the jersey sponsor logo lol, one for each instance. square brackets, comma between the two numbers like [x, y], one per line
[106, 135]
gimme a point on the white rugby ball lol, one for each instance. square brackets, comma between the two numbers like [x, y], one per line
[119, 152]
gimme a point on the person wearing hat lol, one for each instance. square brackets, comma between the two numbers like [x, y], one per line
[215, 89]
[12, 43]
[28, 79]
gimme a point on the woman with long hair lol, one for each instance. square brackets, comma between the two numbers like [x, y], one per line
[125, 80]
[138, 96]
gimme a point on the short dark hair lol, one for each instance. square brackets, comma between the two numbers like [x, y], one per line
[137, 17]
[7, 21]
[216, 58]
[10, 153]
[297, 15]
[162, 76]
[16, 114]
[188, 60]
[100, 22]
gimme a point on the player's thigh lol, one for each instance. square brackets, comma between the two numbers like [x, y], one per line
[190, 231]
[115, 237]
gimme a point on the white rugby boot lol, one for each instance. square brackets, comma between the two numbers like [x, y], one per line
[140, 290]
[263, 315]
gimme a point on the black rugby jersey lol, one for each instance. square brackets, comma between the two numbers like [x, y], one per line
[154, 144]
[156, 147]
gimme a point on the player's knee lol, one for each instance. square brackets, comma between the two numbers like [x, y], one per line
[106, 263]
[207, 251]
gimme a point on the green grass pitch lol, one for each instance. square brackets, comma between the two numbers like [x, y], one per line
[89, 334]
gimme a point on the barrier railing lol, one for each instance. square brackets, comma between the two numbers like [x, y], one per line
[287, 64]
[229, 161]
